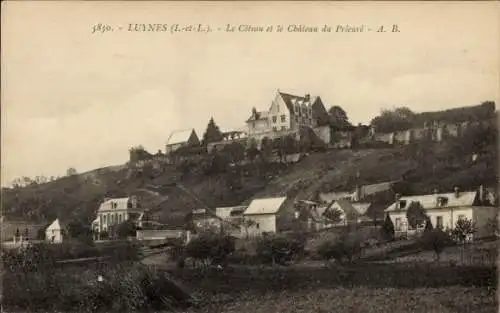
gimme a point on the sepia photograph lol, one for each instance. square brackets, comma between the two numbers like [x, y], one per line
[249, 157]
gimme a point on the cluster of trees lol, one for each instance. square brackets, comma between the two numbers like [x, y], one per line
[402, 118]
[26, 181]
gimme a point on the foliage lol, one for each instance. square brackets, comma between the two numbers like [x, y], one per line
[126, 229]
[428, 225]
[416, 215]
[252, 151]
[346, 247]
[388, 229]
[333, 215]
[212, 133]
[463, 229]
[338, 118]
[246, 223]
[71, 171]
[124, 288]
[435, 240]
[266, 150]
[210, 247]
[279, 249]
[235, 152]
[400, 118]
[80, 231]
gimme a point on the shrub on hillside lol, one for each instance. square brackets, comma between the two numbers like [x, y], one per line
[346, 247]
[210, 247]
[279, 249]
[122, 289]
[436, 240]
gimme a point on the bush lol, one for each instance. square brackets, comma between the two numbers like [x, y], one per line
[123, 289]
[348, 246]
[272, 249]
[211, 247]
[435, 240]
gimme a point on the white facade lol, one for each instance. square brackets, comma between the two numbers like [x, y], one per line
[263, 212]
[286, 114]
[444, 211]
[115, 211]
[55, 232]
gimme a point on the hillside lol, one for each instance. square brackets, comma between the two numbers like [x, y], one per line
[422, 167]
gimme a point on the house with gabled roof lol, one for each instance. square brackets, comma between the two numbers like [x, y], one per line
[264, 212]
[114, 211]
[56, 232]
[286, 114]
[181, 138]
[444, 210]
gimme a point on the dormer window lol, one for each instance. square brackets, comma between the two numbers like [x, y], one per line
[401, 204]
[442, 201]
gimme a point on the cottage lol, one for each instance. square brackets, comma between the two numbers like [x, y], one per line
[264, 212]
[115, 211]
[444, 210]
[56, 232]
[181, 138]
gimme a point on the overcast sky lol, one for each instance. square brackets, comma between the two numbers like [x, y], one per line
[75, 99]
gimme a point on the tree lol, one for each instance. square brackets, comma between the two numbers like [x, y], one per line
[435, 240]
[126, 229]
[210, 247]
[212, 134]
[79, 230]
[235, 152]
[416, 215]
[333, 215]
[388, 229]
[338, 117]
[71, 171]
[252, 151]
[388, 121]
[266, 149]
[290, 145]
[246, 223]
[464, 228]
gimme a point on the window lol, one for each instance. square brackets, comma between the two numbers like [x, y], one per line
[275, 118]
[283, 128]
[257, 225]
[283, 118]
[119, 218]
[275, 129]
[439, 222]
[442, 201]
[397, 224]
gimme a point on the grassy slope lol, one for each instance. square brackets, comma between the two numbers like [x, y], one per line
[332, 170]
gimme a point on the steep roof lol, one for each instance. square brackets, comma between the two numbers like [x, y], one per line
[258, 115]
[225, 212]
[121, 204]
[466, 198]
[290, 99]
[265, 206]
[179, 136]
[56, 224]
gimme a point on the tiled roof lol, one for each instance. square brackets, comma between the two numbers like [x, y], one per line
[290, 100]
[265, 206]
[121, 204]
[466, 198]
[261, 115]
[179, 136]
[225, 212]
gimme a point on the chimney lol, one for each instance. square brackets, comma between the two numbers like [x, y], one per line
[481, 194]
[357, 196]
[456, 191]
[396, 198]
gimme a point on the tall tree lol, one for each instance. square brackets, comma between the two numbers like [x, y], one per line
[388, 121]
[212, 134]
[416, 215]
[252, 151]
[266, 149]
[338, 117]
[71, 171]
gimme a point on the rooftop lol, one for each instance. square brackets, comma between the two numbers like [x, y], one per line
[265, 206]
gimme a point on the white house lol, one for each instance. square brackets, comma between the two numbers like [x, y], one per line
[181, 138]
[444, 210]
[264, 212]
[55, 233]
[114, 211]
[286, 114]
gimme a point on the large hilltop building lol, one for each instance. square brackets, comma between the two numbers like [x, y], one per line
[287, 114]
